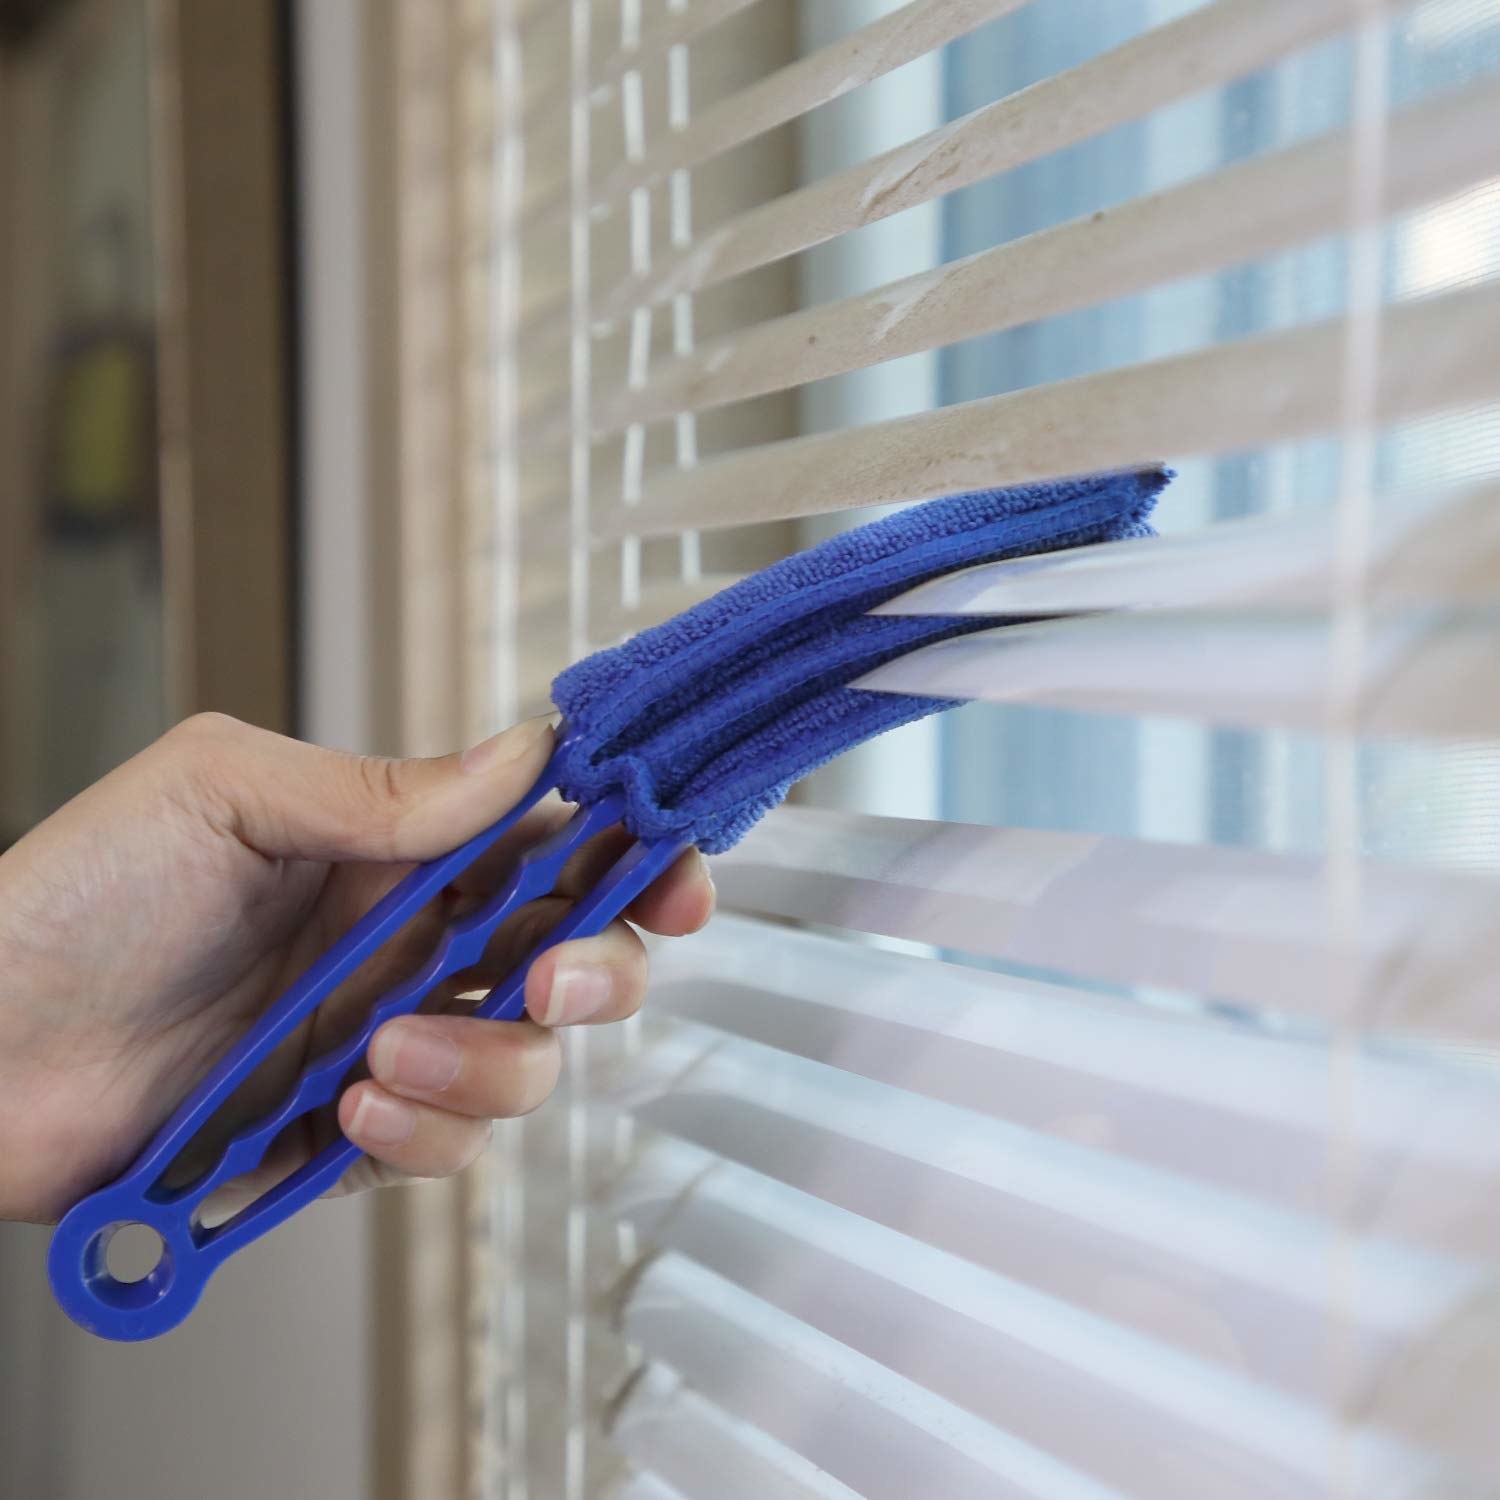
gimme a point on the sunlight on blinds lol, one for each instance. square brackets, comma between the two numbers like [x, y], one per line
[1162, 1161]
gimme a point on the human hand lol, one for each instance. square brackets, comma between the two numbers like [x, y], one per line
[147, 923]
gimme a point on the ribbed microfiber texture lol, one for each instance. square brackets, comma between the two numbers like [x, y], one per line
[705, 722]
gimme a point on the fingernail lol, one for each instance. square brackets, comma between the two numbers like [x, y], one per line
[503, 748]
[381, 1120]
[708, 875]
[412, 1057]
[579, 991]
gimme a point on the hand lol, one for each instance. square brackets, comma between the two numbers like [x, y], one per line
[147, 923]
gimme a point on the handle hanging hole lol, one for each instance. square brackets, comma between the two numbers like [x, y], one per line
[128, 1265]
[133, 1252]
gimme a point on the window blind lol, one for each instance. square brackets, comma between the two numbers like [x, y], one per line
[1074, 1154]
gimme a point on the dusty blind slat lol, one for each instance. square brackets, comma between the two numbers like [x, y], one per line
[1235, 215]
[670, 28]
[1245, 394]
[1223, 41]
[917, 28]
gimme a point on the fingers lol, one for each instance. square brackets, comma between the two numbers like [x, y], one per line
[489, 1070]
[678, 903]
[291, 800]
[598, 979]
[590, 980]
[417, 1140]
[437, 1080]
[436, 1083]
[594, 979]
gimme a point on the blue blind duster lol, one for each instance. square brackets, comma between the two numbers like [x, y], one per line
[705, 722]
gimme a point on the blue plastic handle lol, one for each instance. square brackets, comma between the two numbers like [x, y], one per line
[132, 1310]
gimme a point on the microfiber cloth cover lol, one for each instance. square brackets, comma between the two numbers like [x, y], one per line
[705, 721]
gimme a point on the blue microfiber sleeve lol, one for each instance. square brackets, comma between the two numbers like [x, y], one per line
[704, 722]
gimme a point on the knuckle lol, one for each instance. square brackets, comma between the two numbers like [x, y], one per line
[631, 967]
[379, 790]
[476, 1146]
[195, 767]
[207, 728]
[534, 1076]
[380, 776]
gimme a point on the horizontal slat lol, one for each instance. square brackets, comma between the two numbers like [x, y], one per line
[546, 204]
[1425, 676]
[704, 1453]
[538, 421]
[1220, 42]
[546, 325]
[672, 28]
[553, 424]
[1213, 1274]
[917, 28]
[1226, 218]
[1212, 921]
[1435, 549]
[886, 1437]
[1232, 396]
[529, 12]
[645, 1487]
[609, 619]
[883, 1437]
[1228, 1105]
[1159, 1423]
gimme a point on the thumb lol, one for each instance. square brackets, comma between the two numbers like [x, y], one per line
[291, 800]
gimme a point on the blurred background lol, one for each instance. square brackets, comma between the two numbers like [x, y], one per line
[150, 384]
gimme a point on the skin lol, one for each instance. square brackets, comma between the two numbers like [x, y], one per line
[149, 921]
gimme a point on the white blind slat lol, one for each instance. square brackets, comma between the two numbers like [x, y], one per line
[1022, 1361]
[1437, 549]
[1219, 1276]
[645, 1487]
[912, 31]
[1213, 45]
[1417, 674]
[1220, 1102]
[1240, 395]
[1433, 549]
[671, 28]
[1204, 1206]
[873, 1431]
[1206, 920]
[1239, 214]
[664, 1426]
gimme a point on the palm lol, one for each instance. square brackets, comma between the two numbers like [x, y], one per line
[154, 967]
